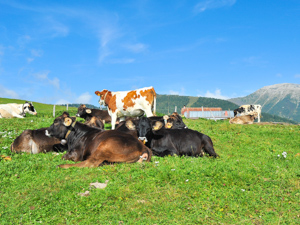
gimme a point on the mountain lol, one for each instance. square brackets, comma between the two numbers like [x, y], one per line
[279, 99]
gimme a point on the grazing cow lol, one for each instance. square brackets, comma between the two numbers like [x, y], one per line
[249, 110]
[11, 110]
[123, 104]
[164, 141]
[245, 119]
[87, 114]
[35, 141]
[94, 147]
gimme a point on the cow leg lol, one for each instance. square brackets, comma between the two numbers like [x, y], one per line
[17, 115]
[113, 120]
[208, 146]
[90, 162]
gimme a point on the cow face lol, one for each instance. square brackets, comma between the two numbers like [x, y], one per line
[174, 122]
[81, 112]
[29, 108]
[60, 126]
[144, 127]
[102, 94]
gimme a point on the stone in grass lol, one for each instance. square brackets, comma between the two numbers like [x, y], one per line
[99, 185]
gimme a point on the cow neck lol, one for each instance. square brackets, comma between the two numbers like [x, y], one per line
[105, 97]
[69, 131]
[23, 110]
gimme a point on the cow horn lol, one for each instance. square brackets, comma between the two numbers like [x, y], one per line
[67, 121]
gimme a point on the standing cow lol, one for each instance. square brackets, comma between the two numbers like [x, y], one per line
[123, 104]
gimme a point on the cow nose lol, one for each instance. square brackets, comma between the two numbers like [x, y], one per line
[143, 139]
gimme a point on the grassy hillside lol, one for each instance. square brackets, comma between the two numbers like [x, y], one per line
[252, 182]
[42, 109]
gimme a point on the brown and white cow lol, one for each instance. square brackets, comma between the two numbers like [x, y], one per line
[123, 104]
[246, 119]
[35, 141]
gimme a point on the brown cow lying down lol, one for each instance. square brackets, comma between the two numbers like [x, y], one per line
[94, 147]
[247, 119]
[94, 122]
[35, 141]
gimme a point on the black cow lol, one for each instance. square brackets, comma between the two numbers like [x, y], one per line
[174, 121]
[93, 146]
[164, 141]
[35, 141]
[87, 114]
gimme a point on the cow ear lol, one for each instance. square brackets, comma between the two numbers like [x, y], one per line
[157, 126]
[88, 111]
[67, 121]
[129, 124]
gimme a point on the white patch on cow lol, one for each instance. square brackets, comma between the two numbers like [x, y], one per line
[14, 110]
[34, 147]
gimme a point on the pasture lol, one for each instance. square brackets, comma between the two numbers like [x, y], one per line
[256, 180]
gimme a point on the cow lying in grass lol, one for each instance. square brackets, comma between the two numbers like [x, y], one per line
[94, 147]
[246, 119]
[35, 141]
[11, 110]
[164, 141]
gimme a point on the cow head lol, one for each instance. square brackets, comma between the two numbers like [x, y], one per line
[102, 94]
[144, 127]
[29, 108]
[61, 126]
[174, 121]
[83, 111]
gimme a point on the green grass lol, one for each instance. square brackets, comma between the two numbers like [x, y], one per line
[248, 184]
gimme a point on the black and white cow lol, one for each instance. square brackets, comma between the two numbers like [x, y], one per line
[11, 110]
[249, 110]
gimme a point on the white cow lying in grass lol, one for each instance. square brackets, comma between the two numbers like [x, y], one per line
[11, 110]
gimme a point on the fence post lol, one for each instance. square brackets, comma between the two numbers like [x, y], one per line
[53, 110]
[67, 107]
[175, 109]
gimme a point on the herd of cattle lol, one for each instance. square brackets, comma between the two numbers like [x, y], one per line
[133, 137]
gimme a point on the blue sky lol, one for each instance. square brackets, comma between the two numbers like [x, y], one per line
[63, 51]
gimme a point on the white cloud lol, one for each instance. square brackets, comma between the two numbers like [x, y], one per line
[43, 76]
[136, 48]
[6, 93]
[212, 4]
[121, 61]
[217, 95]
[278, 75]
[56, 28]
[84, 98]
[61, 102]
[177, 92]
[297, 76]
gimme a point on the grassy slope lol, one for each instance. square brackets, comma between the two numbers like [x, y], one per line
[248, 184]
